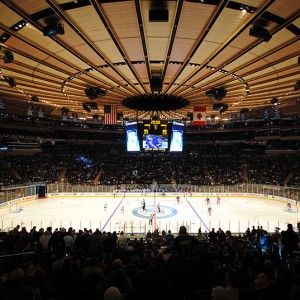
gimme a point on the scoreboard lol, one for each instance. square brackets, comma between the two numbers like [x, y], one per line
[157, 127]
[155, 135]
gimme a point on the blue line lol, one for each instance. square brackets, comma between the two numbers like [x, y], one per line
[197, 214]
[103, 227]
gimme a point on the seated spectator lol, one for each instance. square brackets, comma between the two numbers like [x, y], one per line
[230, 291]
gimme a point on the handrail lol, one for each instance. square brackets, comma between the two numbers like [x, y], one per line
[17, 254]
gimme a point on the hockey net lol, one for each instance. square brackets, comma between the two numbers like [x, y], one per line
[16, 208]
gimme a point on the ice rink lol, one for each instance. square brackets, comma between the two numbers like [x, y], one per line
[118, 213]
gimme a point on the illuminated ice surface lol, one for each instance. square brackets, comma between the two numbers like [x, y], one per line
[234, 213]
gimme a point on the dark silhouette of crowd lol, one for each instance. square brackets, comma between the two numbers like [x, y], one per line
[60, 264]
[110, 165]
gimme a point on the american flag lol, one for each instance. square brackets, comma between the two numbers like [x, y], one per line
[110, 114]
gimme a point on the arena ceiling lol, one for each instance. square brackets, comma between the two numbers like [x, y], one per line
[116, 46]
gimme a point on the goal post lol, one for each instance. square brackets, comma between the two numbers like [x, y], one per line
[15, 207]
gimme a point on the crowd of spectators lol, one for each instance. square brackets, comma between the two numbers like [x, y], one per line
[86, 264]
[61, 264]
[98, 164]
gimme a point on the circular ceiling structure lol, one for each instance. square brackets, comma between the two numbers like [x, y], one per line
[185, 51]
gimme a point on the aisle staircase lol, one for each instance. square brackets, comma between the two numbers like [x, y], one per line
[98, 176]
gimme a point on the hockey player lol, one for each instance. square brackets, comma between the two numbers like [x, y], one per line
[207, 201]
[209, 210]
[143, 205]
[158, 207]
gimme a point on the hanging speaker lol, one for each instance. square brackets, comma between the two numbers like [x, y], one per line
[8, 57]
[53, 29]
[34, 99]
[297, 86]
[158, 15]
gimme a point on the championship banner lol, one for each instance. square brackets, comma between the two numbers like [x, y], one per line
[199, 116]
[95, 119]
[40, 112]
[64, 115]
[29, 110]
[75, 117]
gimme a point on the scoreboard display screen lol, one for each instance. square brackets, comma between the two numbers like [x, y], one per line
[176, 144]
[132, 138]
[155, 135]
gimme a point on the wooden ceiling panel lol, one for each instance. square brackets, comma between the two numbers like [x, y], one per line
[190, 57]
[284, 9]
[30, 6]
[194, 16]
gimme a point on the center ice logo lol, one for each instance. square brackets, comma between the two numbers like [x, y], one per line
[165, 212]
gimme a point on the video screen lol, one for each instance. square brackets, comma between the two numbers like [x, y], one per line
[155, 135]
[132, 137]
[155, 142]
[177, 139]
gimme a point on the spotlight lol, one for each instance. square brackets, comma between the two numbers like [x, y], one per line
[53, 29]
[260, 32]
[8, 57]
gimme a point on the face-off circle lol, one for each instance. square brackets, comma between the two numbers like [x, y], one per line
[165, 212]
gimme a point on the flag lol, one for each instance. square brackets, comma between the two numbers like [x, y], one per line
[110, 114]
[199, 115]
